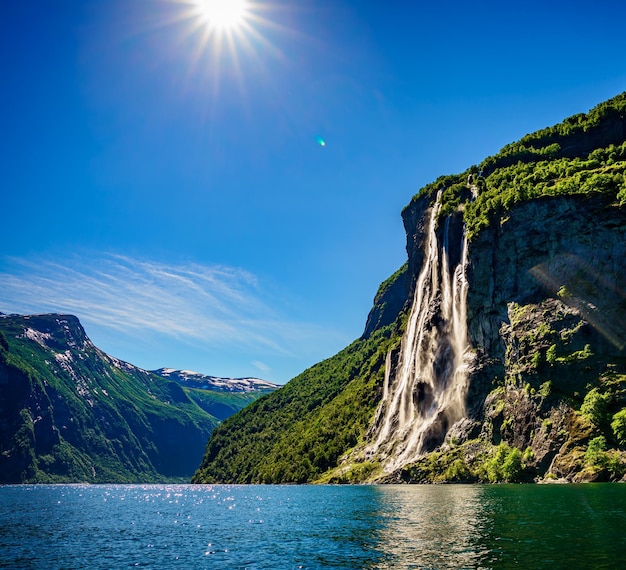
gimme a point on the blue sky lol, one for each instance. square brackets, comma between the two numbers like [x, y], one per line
[167, 185]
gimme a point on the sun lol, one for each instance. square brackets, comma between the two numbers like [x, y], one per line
[224, 39]
[222, 15]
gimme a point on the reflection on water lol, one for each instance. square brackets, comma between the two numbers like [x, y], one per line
[503, 526]
[313, 527]
[432, 527]
[556, 526]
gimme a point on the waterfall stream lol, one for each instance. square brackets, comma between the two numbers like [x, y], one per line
[424, 394]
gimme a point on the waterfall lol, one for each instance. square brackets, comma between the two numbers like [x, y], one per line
[424, 394]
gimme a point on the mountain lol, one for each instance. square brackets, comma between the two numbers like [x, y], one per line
[71, 413]
[220, 397]
[496, 353]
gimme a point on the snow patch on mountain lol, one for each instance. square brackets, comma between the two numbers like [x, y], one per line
[37, 336]
[194, 379]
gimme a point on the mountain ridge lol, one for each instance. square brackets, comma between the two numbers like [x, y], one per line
[71, 413]
[199, 380]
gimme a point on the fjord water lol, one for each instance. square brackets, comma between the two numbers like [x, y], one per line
[309, 527]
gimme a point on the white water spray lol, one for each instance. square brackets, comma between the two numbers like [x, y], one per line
[424, 395]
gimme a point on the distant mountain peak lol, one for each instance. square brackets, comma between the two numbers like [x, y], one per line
[193, 379]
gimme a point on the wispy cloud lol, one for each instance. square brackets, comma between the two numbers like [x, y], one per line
[193, 303]
[264, 368]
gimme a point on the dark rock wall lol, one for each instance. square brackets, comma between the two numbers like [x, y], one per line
[572, 249]
[546, 318]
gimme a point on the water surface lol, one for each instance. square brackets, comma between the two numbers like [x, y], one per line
[309, 527]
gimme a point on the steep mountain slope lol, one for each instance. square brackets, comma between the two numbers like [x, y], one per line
[496, 353]
[69, 412]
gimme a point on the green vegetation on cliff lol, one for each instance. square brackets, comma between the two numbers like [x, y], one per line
[583, 155]
[546, 396]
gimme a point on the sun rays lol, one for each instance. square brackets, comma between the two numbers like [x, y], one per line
[222, 34]
[222, 15]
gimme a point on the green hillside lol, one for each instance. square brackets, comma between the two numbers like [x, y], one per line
[69, 412]
[297, 433]
[316, 427]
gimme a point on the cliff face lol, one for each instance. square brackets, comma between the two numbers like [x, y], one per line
[569, 248]
[545, 311]
[498, 351]
[389, 301]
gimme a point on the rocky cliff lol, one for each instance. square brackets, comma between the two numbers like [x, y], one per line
[545, 308]
[527, 249]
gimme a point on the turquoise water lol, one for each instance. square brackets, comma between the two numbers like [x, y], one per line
[309, 527]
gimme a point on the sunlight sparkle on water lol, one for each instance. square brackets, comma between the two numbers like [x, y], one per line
[400, 527]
